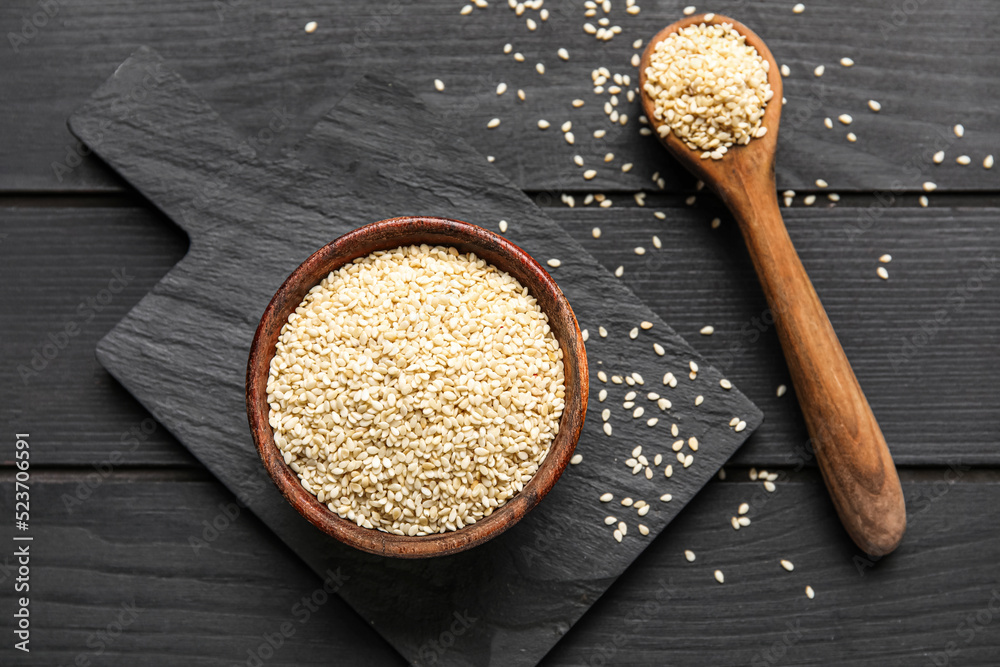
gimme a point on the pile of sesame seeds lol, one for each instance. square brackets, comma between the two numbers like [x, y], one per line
[416, 390]
[708, 87]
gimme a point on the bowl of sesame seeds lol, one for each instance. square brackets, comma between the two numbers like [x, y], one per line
[416, 386]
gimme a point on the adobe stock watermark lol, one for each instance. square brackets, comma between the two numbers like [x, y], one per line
[431, 651]
[605, 653]
[967, 630]
[300, 612]
[773, 654]
[956, 301]
[56, 341]
[100, 641]
[33, 23]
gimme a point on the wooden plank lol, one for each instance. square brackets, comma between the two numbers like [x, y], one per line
[211, 603]
[705, 279]
[299, 76]
[69, 275]
[183, 349]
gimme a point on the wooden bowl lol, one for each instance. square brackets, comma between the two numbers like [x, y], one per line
[385, 235]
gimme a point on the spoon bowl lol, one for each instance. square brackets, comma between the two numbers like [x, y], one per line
[849, 446]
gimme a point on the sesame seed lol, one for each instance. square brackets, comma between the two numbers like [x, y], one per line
[657, 243]
[501, 88]
[639, 250]
[769, 486]
[882, 273]
[628, 397]
[577, 458]
[596, 232]
[638, 412]
[532, 26]
[311, 27]
[740, 426]
[689, 555]
[634, 333]
[743, 509]
[810, 593]
[833, 196]
[589, 174]
[720, 577]
[569, 138]
[609, 520]
[885, 259]
[627, 167]
[622, 528]
[520, 94]
[959, 130]
[659, 349]
[963, 160]
[787, 564]
[577, 103]
[689, 10]
[466, 10]
[554, 263]
[645, 325]
[744, 521]
[607, 498]
[846, 62]
[845, 119]
[578, 160]
[707, 330]
[643, 530]
[688, 460]
[785, 71]
[725, 384]
[493, 123]
[874, 106]
[602, 395]
[618, 535]
[988, 162]
[674, 431]
[734, 421]
[601, 375]
[819, 70]
[503, 226]
[602, 332]
[667, 472]
[664, 404]
[507, 48]
[605, 414]
[519, 57]
[923, 201]
[809, 200]
[563, 53]
[627, 502]
[638, 379]
[735, 523]
[607, 429]
[540, 68]
[693, 443]
[820, 183]
[693, 365]
[799, 8]
[699, 400]
[439, 84]
[852, 137]
[781, 390]
[929, 186]
[585, 335]
[716, 222]
[938, 157]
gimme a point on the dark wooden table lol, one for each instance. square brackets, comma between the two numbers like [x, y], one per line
[141, 557]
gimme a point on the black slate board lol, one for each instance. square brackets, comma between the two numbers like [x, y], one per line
[182, 350]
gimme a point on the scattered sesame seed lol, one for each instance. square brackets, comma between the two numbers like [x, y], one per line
[644, 510]
[563, 53]
[743, 509]
[627, 502]
[740, 425]
[820, 183]
[693, 365]
[627, 167]
[618, 535]
[720, 577]
[833, 196]
[689, 555]
[602, 332]
[787, 564]
[781, 390]
[622, 528]
[602, 395]
[493, 123]
[503, 226]
[657, 243]
[874, 106]
[799, 8]
[638, 412]
[501, 88]
[519, 57]
[923, 201]
[569, 138]
[689, 10]
[667, 472]
[540, 68]
[643, 530]
[810, 593]
[809, 200]
[634, 333]
[938, 157]
[769, 486]
[577, 103]
[439, 84]
[846, 62]
[885, 259]
[608, 520]
[828, 123]
[607, 429]
[577, 458]
[554, 263]
[646, 325]
[845, 119]
[929, 186]
[466, 10]
[601, 375]
[699, 400]
[596, 232]
[585, 335]
[735, 523]
[589, 174]
[963, 160]
[716, 222]
[311, 27]
[819, 70]
[959, 130]
[520, 94]
[707, 330]
[988, 162]
[882, 273]
[607, 498]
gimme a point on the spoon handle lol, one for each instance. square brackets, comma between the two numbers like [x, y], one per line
[848, 443]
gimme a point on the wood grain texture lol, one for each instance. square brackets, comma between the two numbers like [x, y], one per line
[255, 63]
[183, 349]
[210, 602]
[701, 276]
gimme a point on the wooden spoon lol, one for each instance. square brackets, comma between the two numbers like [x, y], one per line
[848, 443]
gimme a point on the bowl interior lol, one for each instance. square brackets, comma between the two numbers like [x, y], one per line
[388, 234]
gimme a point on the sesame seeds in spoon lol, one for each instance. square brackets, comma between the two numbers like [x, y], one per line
[711, 90]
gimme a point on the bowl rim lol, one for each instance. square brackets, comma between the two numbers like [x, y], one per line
[360, 242]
